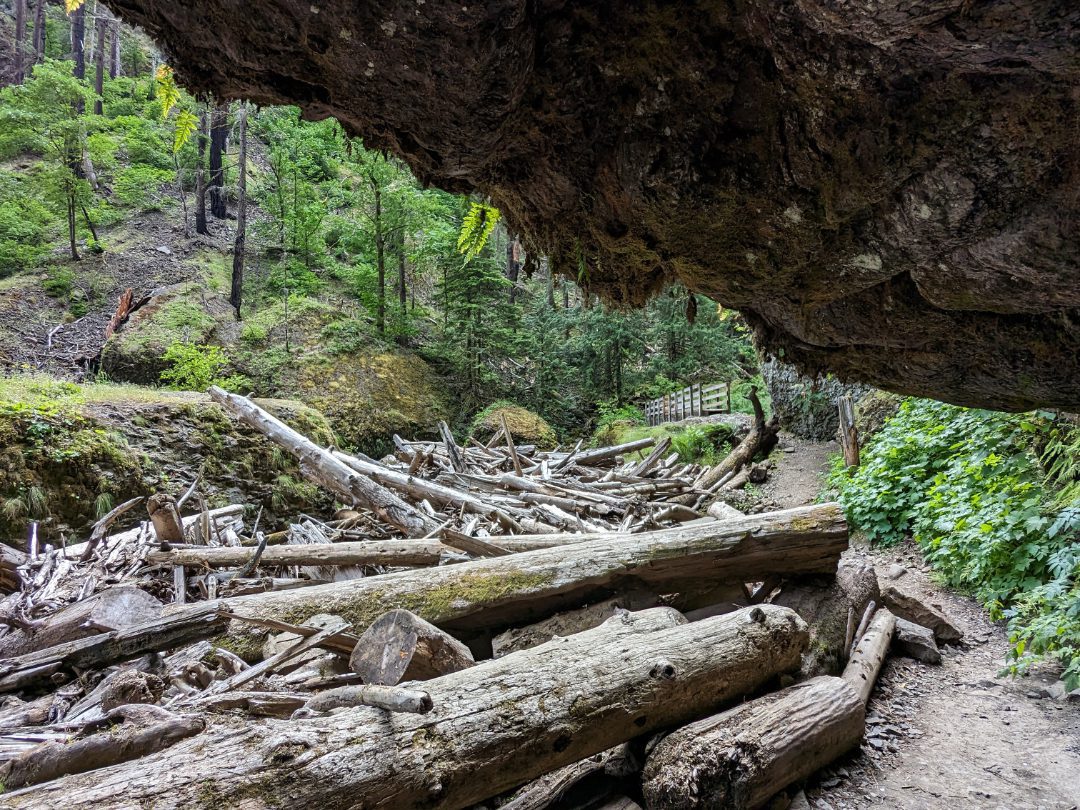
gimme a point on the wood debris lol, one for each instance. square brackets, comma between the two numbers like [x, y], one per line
[483, 624]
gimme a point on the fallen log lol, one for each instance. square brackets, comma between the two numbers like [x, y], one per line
[865, 664]
[495, 593]
[383, 552]
[761, 439]
[740, 758]
[53, 760]
[166, 632]
[111, 609]
[493, 726]
[400, 646]
[323, 467]
[602, 454]
[824, 603]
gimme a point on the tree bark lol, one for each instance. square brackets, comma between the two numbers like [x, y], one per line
[499, 592]
[236, 291]
[219, 133]
[200, 175]
[493, 726]
[111, 609]
[865, 664]
[78, 42]
[39, 31]
[100, 27]
[380, 258]
[849, 434]
[331, 473]
[20, 41]
[400, 646]
[114, 60]
[740, 758]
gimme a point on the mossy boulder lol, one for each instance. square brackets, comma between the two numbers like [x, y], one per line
[181, 313]
[873, 409]
[71, 452]
[525, 426]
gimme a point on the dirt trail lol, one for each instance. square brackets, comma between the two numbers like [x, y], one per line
[949, 737]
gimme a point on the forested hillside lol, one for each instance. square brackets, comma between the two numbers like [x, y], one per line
[340, 267]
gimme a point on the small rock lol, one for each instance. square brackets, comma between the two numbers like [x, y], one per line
[908, 606]
[895, 571]
[1058, 690]
[163, 249]
[916, 641]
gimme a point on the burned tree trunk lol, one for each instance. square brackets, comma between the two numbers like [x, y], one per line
[219, 133]
[493, 726]
[236, 289]
[740, 758]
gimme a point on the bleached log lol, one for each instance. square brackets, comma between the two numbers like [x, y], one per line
[400, 646]
[382, 552]
[193, 624]
[761, 438]
[494, 726]
[738, 759]
[389, 698]
[603, 454]
[865, 664]
[498, 592]
[323, 467]
[111, 609]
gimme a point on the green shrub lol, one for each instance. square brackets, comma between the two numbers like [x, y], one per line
[24, 232]
[968, 487]
[139, 187]
[348, 336]
[196, 367]
[59, 282]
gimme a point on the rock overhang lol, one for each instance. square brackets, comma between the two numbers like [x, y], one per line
[887, 192]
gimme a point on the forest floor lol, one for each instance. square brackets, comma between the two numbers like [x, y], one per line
[955, 736]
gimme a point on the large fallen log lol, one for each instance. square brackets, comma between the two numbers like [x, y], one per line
[498, 592]
[740, 758]
[491, 727]
[383, 552]
[761, 439]
[111, 609]
[327, 470]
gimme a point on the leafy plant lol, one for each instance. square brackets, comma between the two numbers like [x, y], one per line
[476, 228]
[967, 486]
[196, 367]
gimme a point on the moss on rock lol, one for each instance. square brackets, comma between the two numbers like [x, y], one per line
[71, 452]
[524, 425]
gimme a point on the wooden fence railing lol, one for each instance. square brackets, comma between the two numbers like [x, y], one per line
[694, 400]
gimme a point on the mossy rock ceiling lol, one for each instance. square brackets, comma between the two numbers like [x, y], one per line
[885, 190]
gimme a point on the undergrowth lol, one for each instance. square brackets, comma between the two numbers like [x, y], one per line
[992, 501]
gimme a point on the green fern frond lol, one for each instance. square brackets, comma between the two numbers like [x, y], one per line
[186, 124]
[476, 228]
[168, 92]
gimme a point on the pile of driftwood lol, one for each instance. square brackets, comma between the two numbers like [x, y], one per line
[496, 627]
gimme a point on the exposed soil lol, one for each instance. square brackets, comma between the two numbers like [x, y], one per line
[955, 736]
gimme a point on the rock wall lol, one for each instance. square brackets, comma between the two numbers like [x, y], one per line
[806, 405]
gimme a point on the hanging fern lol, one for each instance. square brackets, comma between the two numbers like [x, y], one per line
[477, 226]
[168, 92]
[186, 124]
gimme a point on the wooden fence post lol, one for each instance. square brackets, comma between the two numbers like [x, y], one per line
[849, 435]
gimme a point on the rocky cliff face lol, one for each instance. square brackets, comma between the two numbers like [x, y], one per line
[886, 190]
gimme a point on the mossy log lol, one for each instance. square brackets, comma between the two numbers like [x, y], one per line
[825, 603]
[324, 468]
[499, 592]
[740, 758]
[491, 727]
